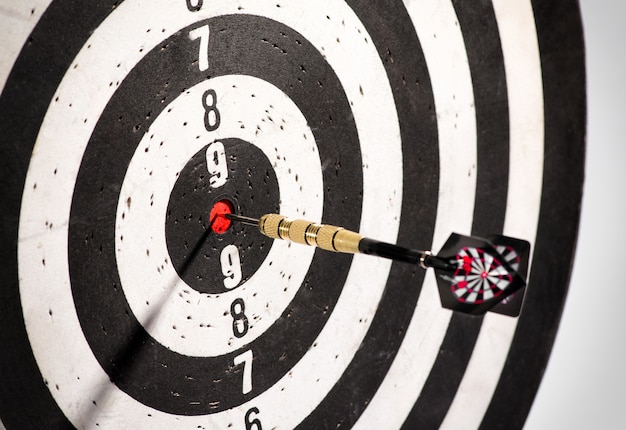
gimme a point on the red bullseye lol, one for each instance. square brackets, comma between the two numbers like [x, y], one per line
[219, 223]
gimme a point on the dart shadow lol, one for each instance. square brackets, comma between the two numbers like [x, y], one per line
[123, 360]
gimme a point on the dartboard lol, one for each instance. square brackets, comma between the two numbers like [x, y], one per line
[125, 125]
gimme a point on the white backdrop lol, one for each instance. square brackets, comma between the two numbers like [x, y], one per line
[584, 386]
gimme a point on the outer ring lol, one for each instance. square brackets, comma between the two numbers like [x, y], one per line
[561, 44]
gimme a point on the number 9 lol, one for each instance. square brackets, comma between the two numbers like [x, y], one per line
[231, 266]
[216, 164]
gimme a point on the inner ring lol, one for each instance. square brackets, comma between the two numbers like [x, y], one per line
[149, 280]
[236, 175]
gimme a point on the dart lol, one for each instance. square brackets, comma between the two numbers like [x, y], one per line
[473, 274]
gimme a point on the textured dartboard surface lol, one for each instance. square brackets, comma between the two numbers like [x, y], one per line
[123, 123]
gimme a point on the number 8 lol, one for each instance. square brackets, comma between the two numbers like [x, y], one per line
[212, 116]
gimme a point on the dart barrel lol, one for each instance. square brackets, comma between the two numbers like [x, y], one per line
[327, 237]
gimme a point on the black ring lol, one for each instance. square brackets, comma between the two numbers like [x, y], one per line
[193, 248]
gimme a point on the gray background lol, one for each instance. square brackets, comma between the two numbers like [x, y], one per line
[584, 386]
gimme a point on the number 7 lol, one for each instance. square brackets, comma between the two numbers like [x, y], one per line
[202, 33]
[245, 359]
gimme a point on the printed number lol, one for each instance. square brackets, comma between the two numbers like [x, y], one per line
[202, 33]
[240, 320]
[211, 113]
[231, 266]
[216, 164]
[254, 424]
[245, 359]
[194, 6]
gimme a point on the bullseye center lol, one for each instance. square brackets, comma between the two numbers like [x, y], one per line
[482, 275]
[219, 223]
[196, 229]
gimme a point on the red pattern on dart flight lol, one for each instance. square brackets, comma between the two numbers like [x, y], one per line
[479, 277]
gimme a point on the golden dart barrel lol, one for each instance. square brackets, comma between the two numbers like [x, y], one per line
[327, 237]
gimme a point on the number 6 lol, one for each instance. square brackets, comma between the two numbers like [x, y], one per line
[255, 423]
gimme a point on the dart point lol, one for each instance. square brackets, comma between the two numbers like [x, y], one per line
[219, 222]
